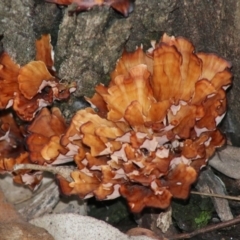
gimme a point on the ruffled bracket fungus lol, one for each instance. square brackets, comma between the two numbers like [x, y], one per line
[149, 132]
[26, 90]
[33, 86]
[75, 6]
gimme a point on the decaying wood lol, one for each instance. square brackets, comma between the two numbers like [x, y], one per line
[14, 227]
[41, 203]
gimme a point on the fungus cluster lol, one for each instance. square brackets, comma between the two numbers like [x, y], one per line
[122, 6]
[147, 134]
[26, 90]
[33, 86]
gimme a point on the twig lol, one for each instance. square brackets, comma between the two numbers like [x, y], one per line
[65, 172]
[39, 191]
[216, 195]
[209, 228]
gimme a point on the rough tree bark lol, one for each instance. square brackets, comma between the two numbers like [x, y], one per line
[213, 26]
[88, 46]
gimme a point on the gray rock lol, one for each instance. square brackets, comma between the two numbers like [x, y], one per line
[227, 161]
[208, 182]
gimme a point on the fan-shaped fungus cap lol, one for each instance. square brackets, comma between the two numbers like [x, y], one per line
[12, 152]
[172, 99]
[123, 6]
[24, 176]
[38, 87]
[45, 53]
[31, 87]
[11, 138]
[8, 80]
[95, 132]
[33, 77]
[44, 139]
[139, 197]
[155, 129]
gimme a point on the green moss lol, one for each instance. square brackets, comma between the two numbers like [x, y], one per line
[203, 219]
[193, 213]
[112, 211]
